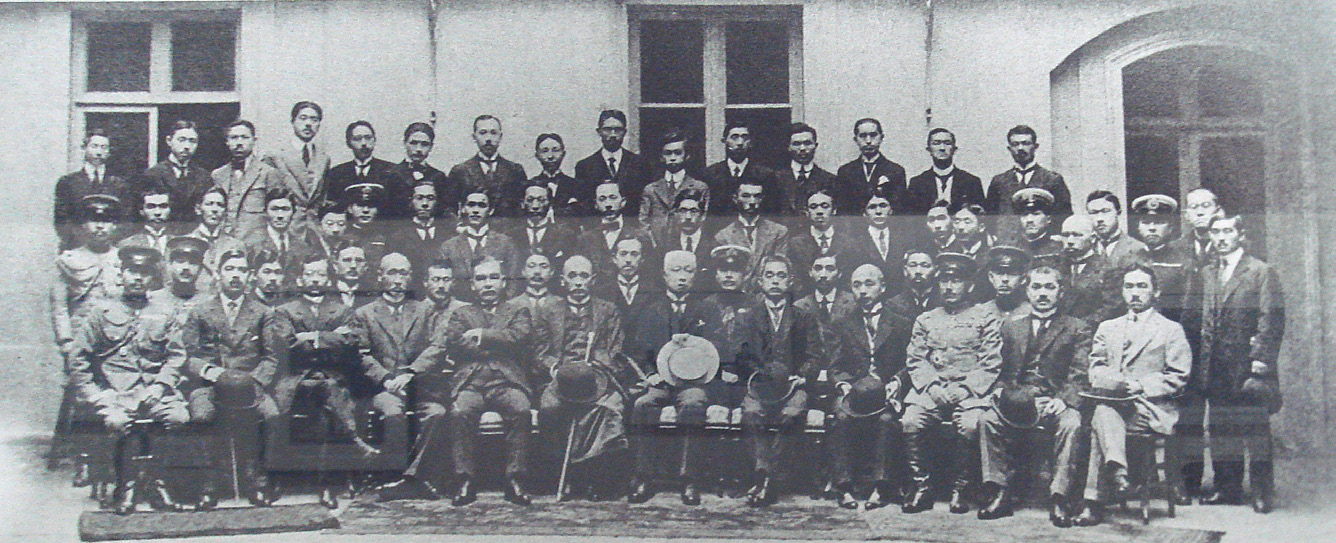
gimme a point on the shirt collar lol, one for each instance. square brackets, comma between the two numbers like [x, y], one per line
[361, 164]
[798, 168]
[626, 282]
[943, 173]
[829, 297]
[1025, 168]
[875, 311]
[780, 305]
[543, 222]
[90, 170]
[874, 160]
[298, 144]
[618, 221]
[172, 159]
[1232, 259]
[674, 298]
[493, 158]
[431, 222]
[742, 219]
[479, 232]
[675, 177]
[735, 165]
[615, 155]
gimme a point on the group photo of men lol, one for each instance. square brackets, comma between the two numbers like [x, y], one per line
[928, 328]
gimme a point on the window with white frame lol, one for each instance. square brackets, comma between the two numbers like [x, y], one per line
[696, 68]
[136, 73]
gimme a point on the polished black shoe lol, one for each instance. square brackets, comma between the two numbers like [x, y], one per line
[515, 492]
[1057, 511]
[847, 500]
[158, 497]
[1121, 485]
[764, 496]
[81, 476]
[1182, 496]
[262, 496]
[919, 500]
[404, 489]
[465, 495]
[960, 503]
[1261, 503]
[207, 500]
[1222, 497]
[1091, 515]
[999, 505]
[883, 496]
[690, 495]
[124, 499]
[329, 498]
[640, 492]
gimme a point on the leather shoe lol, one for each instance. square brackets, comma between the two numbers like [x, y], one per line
[124, 499]
[465, 495]
[1220, 497]
[262, 496]
[1057, 512]
[159, 498]
[883, 496]
[959, 502]
[1261, 503]
[403, 489]
[1092, 515]
[515, 493]
[640, 492]
[1121, 485]
[919, 500]
[847, 500]
[81, 476]
[207, 501]
[690, 495]
[329, 498]
[765, 495]
[999, 506]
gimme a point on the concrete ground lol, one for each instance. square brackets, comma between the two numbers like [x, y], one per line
[40, 506]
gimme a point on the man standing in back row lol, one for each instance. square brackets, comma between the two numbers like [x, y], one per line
[612, 161]
[858, 179]
[502, 179]
[1022, 142]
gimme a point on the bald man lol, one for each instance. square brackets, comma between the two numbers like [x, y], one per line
[1092, 295]
[653, 322]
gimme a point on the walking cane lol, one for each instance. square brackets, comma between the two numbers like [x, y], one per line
[570, 434]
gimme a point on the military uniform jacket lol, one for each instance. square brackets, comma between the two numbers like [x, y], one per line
[1056, 360]
[949, 348]
[342, 176]
[741, 335]
[123, 347]
[505, 328]
[1154, 353]
[83, 277]
[393, 340]
[1242, 320]
[70, 191]
[332, 354]
[1176, 274]
[254, 343]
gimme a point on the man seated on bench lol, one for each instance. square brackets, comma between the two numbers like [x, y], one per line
[125, 365]
[1138, 362]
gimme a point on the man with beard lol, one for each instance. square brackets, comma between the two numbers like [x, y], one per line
[920, 292]
[235, 344]
[869, 360]
[155, 208]
[599, 243]
[972, 237]
[1200, 207]
[243, 182]
[579, 352]
[626, 286]
[489, 171]
[820, 238]
[188, 281]
[88, 272]
[486, 340]
[803, 177]
[91, 178]
[859, 179]
[1092, 282]
[278, 236]
[657, 200]
[540, 232]
[944, 181]
[1122, 251]
[629, 171]
[954, 356]
[1006, 275]
[478, 238]
[537, 276]
[1139, 360]
[674, 315]
[1022, 142]
[302, 164]
[182, 177]
[419, 138]
[365, 202]
[1044, 362]
[685, 231]
[354, 285]
[761, 236]
[124, 365]
[737, 168]
[420, 238]
[323, 340]
[569, 197]
[212, 229]
[273, 284]
[366, 168]
[1034, 205]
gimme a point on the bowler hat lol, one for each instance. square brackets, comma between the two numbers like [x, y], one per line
[235, 390]
[580, 383]
[1259, 390]
[1015, 405]
[866, 398]
[770, 387]
[693, 361]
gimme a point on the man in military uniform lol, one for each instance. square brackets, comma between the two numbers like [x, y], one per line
[1006, 275]
[954, 356]
[1044, 364]
[739, 339]
[365, 225]
[188, 282]
[1035, 207]
[235, 344]
[1154, 218]
[124, 364]
[88, 272]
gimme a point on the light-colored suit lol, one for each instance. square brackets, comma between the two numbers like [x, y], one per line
[305, 180]
[656, 203]
[245, 194]
[768, 239]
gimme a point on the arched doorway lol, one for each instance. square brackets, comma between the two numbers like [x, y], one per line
[1202, 117]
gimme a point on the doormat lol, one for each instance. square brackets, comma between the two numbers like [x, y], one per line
[107, 526]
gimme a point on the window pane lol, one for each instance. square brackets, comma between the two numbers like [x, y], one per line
[1234, 168]
[1150, 88]
[758, 62]
[211, 118]
[118, 56]
[204, 56]
[1152, 166]
[672, 62]
[770, 133]
[129, 140]
[1226, 93]
[655, 122]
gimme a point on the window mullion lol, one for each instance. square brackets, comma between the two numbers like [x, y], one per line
[160, 58]
[716, 88]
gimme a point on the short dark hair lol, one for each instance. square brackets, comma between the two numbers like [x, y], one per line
[673, 136]
[180, 125]
[771, 259]
[317, 256]
[884, 190]
[548, 136]
[305, 104]
[485, 258]
[689, 194]
[441, 264]
[1141, 267]
[212, 190]
[1022, 130]
[154, 189]
[942, 204]
[815, 191]
[330, 206]
[965, 205]
[860, 122]
[940, 130]
[799, 128]
[231, 254]
[348, 133]
[1106, 195]
[734, 124]
[96, 133]
[422, 127]
[1239, 223]
[239, 122]
[470, 190]
[611, 114]
[1048, 268]
[484, 117]
[919, 249]
[278, 193]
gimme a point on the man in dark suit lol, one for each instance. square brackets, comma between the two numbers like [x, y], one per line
[630, 171]
[278, 234]
[91, 178]
[724, 176]
[302, 164]
[234, 346]
[541, 232]
[874, 241]
[943, 181]
[419, 138]
[750, 228]
[354, 284]
[478, 237]
[155, 210]
[366, 168]
[599, 242]
[1092, 293]
[1022, 141]
[1045, 352]
[920, 292]
[856, 180]
[184, 179]
[670, 316]
[869, 351]
[1200, 207]
[685, 231]
[803, 176]
[970, 229]
[940, 233]
[1121, 250]
[1242, 326]
[624, 285]
[819, 236]
[502, 179]
[486, 341]
[570, 197]
[420, 238]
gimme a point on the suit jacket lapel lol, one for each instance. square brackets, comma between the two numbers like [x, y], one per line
[1138, 342]
[1240, 275]
[883, 330]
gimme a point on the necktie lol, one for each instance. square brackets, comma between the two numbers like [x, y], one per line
[306, 154]
[751, 236]
[867, 170]
[672, 187]
[535, 236]
[827, 304]
[488, 166]
[612, 166]
[941, 189]
[883, 239]
[824, 242]
[477, 241]
[232, 307]
[179, 171]
[871, 326]
[1041, 324]
[737, 172]
[361, 170]
[775, 317]
[802, 175]
[687, 245]
[282, 244]
[97, 177]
